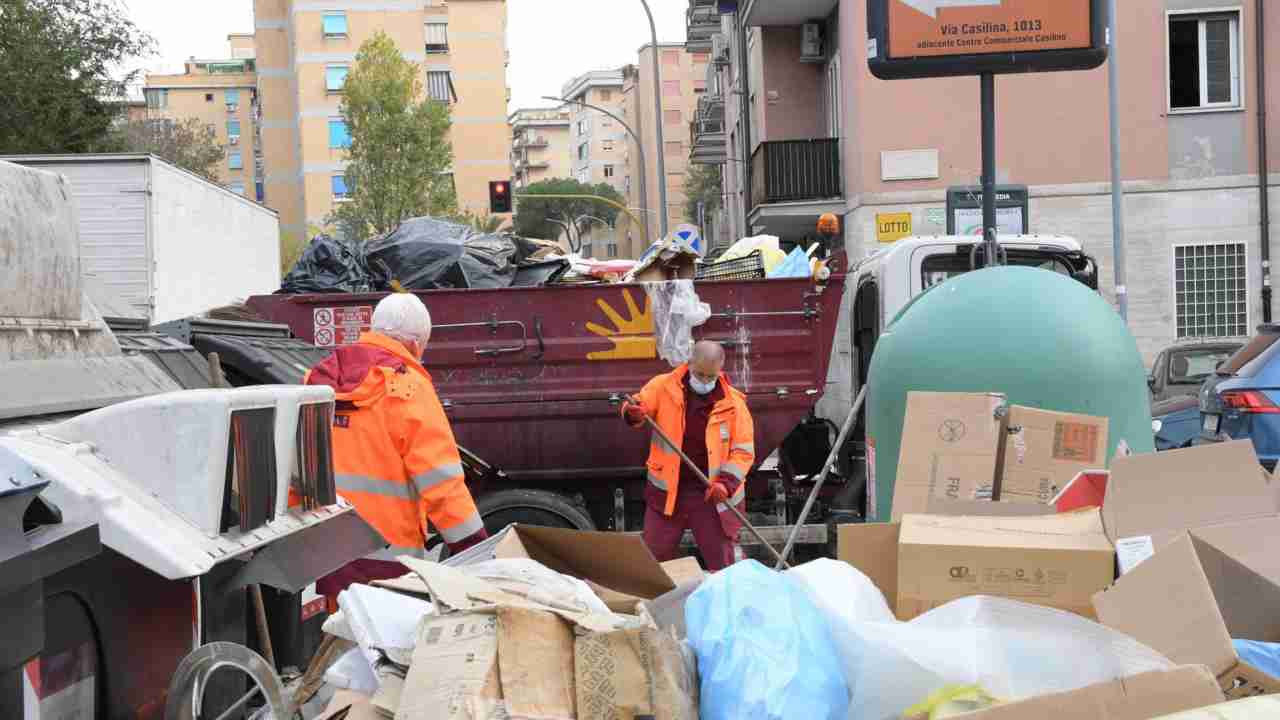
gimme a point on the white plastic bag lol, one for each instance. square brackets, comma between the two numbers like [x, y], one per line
[1010, 649]
[351, 671]
[677, 310]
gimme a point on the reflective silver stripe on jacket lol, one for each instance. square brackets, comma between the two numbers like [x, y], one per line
[655, 440]
[435, 476]
[731, 469]
[375, 486]
[657, 482]
[745, 447]
[463, 530]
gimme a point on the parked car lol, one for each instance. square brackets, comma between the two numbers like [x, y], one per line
[1242, 398]
[1176, 422]
[1180, 369]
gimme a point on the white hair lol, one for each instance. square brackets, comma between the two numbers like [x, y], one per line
[403, 317]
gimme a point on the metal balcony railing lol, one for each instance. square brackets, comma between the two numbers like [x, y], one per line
[702, 21]
[795, 171]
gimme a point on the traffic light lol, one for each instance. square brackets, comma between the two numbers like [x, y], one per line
[500, 196]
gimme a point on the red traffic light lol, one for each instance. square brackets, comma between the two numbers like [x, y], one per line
[500, 187]
[499, 196]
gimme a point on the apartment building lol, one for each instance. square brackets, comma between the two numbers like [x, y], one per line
[683, 82]
[807, 129]
[540, 145]
[304, 52]
[598, 142]
[223, 94]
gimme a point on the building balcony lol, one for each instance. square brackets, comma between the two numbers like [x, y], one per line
[708, 142]
[792, 183]
[533, 144]
[702, 22]
[757, 13]
[531, 164]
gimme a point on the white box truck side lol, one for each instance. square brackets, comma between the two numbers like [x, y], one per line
[210, 246]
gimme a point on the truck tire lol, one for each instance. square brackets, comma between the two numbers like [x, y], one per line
[531, 507]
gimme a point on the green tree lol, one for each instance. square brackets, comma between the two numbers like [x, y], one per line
[400, 152]
[481, 221]
[549, 218]
[190, 144]
[60, 70]
[703, 184]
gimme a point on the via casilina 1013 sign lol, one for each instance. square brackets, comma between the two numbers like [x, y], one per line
[936, 38]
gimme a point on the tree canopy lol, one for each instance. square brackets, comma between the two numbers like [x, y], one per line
[400, 153]
[549, 218]
[703, 184]
[62, 72]
[190, 144]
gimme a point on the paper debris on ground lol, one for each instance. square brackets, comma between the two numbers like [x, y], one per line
[454, 672]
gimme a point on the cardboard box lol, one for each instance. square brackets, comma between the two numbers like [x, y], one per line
[950, 449]
[617, 566]
[1138, 697]
[1045, 450]
[1255, 708]
[1087, 489]
[1189, 599]
[1152, 499]
[632, 673]
[1058, 561]
[872, 548]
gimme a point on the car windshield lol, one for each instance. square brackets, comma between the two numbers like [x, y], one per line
[937, 269]
[1193, 366]
[1251, 358]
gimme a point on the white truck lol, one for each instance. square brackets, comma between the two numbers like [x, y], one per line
[168, 242]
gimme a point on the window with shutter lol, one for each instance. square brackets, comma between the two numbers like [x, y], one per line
[437, 36]
[440, 86]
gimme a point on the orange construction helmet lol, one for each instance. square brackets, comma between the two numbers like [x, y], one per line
[829, 224]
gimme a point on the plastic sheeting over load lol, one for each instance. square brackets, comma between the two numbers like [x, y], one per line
[422, 254]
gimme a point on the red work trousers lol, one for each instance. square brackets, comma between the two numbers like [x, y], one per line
[662, 534]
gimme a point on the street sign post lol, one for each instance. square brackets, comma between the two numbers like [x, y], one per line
[909, 39]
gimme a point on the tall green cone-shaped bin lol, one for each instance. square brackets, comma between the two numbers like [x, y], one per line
[1041, 338]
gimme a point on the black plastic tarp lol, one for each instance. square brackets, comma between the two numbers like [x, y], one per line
[328, 266]
[426, 253]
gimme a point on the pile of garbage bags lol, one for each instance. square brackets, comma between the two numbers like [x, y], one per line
[423, 254]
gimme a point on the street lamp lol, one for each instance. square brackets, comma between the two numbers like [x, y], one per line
[644, 166]
[657, 121]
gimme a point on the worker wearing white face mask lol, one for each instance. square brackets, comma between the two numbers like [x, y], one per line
[695, 404]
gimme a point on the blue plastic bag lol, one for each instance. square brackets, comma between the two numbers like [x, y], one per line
[1262, 655]
[795, 265]
[764, 650]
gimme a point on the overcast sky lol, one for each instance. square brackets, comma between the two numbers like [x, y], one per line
[551, 41]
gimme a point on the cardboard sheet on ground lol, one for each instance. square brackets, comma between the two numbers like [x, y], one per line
[1137, 697]
[454, 673]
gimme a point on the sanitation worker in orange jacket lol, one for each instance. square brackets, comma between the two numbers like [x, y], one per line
[696, 406]
[394, 456]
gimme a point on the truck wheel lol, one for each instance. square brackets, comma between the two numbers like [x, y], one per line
[531, 507]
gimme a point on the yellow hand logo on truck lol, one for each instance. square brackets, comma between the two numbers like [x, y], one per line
[632, 336]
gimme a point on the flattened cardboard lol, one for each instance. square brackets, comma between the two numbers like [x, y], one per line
[1255, 708]
[454, 673]
[1187, 602]
[633, 673]
[1045, 450]
[682, 571]
[950, 449]
[535, 664]
[1164, 494]
[615, 561]
[1058, 561]
[1137, 697]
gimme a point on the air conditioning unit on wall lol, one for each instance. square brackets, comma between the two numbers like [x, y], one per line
[720, 49]
[811, 49]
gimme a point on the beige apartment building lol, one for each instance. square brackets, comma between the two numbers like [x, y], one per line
[683, 76]
[597, 147]
[224, 94]
[804, 128]
[304, 51]
[540, 145]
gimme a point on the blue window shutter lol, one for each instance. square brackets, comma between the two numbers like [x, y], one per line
[335, 76]
[335, 23]
[233, 128]
[234, 162]
[260, 192]
[233, 97]
[338, 135]
[339, 185]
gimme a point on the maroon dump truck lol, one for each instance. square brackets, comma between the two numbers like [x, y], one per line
[531, 379]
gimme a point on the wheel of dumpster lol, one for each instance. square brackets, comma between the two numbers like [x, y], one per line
[531, 507]
[186, 700]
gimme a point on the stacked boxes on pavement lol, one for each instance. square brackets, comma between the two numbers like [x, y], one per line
[1019, 579]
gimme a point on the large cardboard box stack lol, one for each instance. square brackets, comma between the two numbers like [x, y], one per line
[1199, 528]
[1045, 450]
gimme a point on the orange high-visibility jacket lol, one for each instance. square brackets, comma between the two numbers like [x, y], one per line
[731, 449]
[394, 455]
